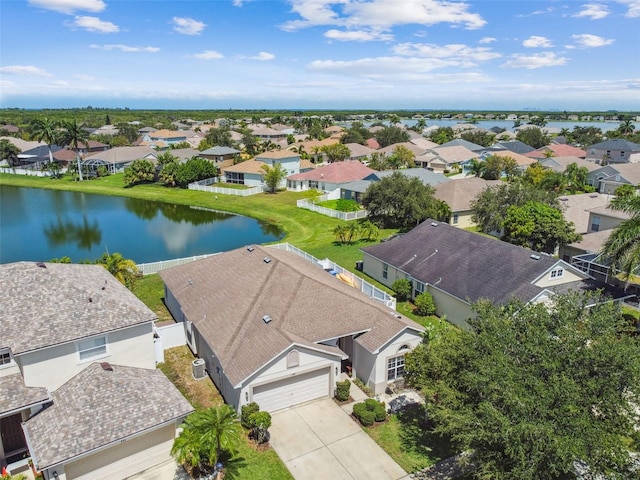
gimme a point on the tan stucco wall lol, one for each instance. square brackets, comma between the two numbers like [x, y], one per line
[606, 222]
[456, 311]
[464, 219]
[566, 277]
[51, 367]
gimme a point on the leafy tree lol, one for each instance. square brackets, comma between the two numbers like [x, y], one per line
[495, 166]
[532, 389]
[479, 137]
[9, 152]
[442, 135]
[165, 158]
[402, 289]
[124, 270]
[73, 135]
[377, 161]
[397, 201]
[401, 157]
[129, 131]
[140, 171]
[424, 304]
[490, 206]
[45, 130]
[476, 167]
[535, 173]
[250, 142]
[555, 182]
[586, 135]
[623, 245]
[336, 152]
[273, 176]
[205, 435]
[625, 190]
[390, 135]
[576, 177]
[537, 226]
[195, 169]
[220, 137]
[533, 137]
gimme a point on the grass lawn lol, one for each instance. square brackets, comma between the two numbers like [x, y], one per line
[407, 309]
[251, 462]
[150, 290]
[404, 437]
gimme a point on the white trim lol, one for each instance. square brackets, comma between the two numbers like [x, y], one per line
[564, 265]
[25, 407]
[93, 357]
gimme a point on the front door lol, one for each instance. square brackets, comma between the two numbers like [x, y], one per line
[13, 440]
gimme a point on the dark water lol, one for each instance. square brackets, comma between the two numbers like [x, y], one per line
[39, 225]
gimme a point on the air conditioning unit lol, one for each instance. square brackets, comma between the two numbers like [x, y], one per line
[198, 368]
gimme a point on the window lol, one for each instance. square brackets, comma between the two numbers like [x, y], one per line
[5, 357]
[419, 288]
[455, 218]
[595, 223]
[92, 348]
[313, 184]
[385, 270]
[293, 359]
[395, 367]
[557, 273]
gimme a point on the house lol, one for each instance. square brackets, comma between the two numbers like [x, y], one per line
[522, 162]
[459, 268]
[412, 147]
[614, 150]
[59, 323]
[515, 146]
[443, 159]
[359, 152]
[577, 209]
[458, 194]
[220, 156]
[560, 164]
[329, 178]
[608, 178]
[266, 133]
[250, 172]
[557, 150]
[355, 190]
[115, 159]
[460, 142]
[275, 329]
[166, 138]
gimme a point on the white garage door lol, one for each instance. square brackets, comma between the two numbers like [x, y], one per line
[292, 390]
[125, 459]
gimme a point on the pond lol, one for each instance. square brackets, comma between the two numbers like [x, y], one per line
[39, 225]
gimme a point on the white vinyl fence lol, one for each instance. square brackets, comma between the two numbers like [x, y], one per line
[206, 186]
[168, 336]
[155, 267]
[306, 204]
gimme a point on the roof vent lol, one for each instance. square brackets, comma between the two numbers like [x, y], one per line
[266, 319]
[106, 366]
[434, 224]
[250, 248]
[266, 260]
[41, 265]
[535, 257]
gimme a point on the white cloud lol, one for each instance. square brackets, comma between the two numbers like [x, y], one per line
[125, 48]
[357, 35]
[263, 56]
[587, 40]
[633, 8]
[539, 60]
[381, 68]
[70, 6]
[84, 78]
[381, 14]
[594, 11]
[485, 40]
[93, 24]
[25, 70]
[208, 55]
[457, 52]
[188, 26]
[536, 41]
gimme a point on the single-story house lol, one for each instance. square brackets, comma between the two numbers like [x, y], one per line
[115, 159]
[275, 329]
[165, 138]
[458, 194]
[355, 190]
[557, 150]
[251, 173]
[522, 162]
[560, 164]
[608, 178]
[329, 178]
[220, 156]
[461, 142]
[443, 159]
[412, 147]
[515, 146]
[614, 150]
[459, 268]
[359, 152]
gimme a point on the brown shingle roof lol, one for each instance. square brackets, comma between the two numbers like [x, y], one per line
[459, 193]
[226, 296]
[337, 172]
[98, 407]
[248, 166]
[576, 208]
[15, 395]
[277, 154]
[57, 303]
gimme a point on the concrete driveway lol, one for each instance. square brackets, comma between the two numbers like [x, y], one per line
[319, 440]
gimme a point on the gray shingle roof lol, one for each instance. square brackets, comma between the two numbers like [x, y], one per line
[616, 144]
[15, 395]
[219, 150]
[226, 296]
[56, 303]
[467, 265]
[427, 177]
[98, 407]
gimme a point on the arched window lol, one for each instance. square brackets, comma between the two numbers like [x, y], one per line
[404, 347]
[293, 359]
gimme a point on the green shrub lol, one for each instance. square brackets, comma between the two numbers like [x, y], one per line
[370, 411]
[245, 413]
[378, 408]
[360, 384]
[342, 390]
[367, 418]
[402, 288]
[424, 304]
[344, 205]
[259, 423]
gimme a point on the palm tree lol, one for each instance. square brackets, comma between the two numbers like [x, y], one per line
[205, 435]
[8, 152]
[626, 128]
[73, 135]
[623, 245]
[45, 130]
[341, 231]
[273, 176]
[125, 270]
[369, 230]
[476, 167]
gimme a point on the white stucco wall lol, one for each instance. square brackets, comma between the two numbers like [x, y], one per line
[51, 367]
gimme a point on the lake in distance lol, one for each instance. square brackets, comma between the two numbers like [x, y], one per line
[40, 225]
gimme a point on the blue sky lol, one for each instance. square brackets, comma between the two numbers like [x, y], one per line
[378, 54]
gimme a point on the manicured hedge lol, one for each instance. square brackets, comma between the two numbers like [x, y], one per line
[342, 390]
[245, 413]
[370, 411]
